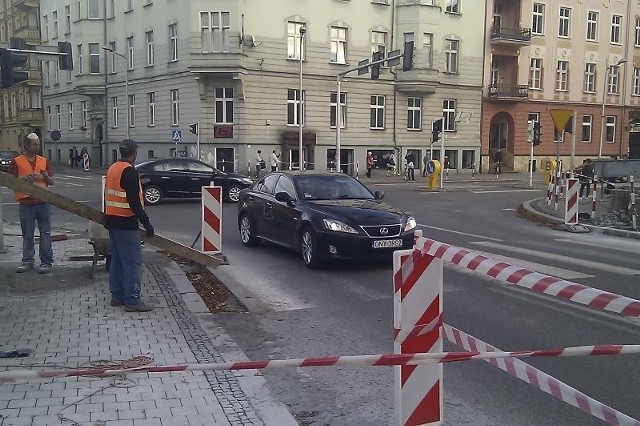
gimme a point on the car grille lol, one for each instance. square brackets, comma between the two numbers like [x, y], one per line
[378, 231]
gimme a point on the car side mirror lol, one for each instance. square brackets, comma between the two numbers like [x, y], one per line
[379, 195]
[284, 197]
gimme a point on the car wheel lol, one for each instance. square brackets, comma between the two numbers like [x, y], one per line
[152, 195]
[233, 193]
[309, 248]
[247, 231]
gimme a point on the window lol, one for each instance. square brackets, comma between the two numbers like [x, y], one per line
[612, 82]
[94, 58]
[130, 51]
[295, 108]
[564, 26]
[379, 42]
[150, 52]
[79, 50]
[452, 6]
[214, 31]
[224, 105]
[83, 105]
[129, 6]
[151, 98]
[592, 26]
[562, 76]
[58, 117]
[343, 110]
[449, 115]
[637, 38]
[132, 110]
[537, 26]
[414, 113]
[611, 129]
[338, 45]
[376, 121]
[173, 42]
[56, 74]
[54, 17]
[616, 25]
[47, 74]
[114, 112]
[427, 50]
[45, 28]
[112, 57]
[48, 117]
[94, 9]
[535, 74]
[112, 9]
[586, 128]
[175, 107]
[533, 116]
[67, 19]
[636, 82]
[294, 49]
[70, 115]
[590, 77]
[451, 55]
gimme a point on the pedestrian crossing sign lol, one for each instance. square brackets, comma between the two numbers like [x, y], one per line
[176, 135]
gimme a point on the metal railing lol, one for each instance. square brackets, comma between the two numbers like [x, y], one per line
[508, 91]
[514, 34]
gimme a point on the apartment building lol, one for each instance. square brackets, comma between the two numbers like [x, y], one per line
[20, 105]
[233, 67]
[582, 56]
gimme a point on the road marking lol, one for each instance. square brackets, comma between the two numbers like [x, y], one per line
[566, 274]
[571, 260]
[633, 246]
[74, 177]
[509, 210]
[490, 191]
[458, 232]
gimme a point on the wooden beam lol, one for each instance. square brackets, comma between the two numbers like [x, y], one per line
[94, 215]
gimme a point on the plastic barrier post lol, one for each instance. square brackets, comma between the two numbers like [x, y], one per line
[571, 202]
[417, 281]
[211, 219]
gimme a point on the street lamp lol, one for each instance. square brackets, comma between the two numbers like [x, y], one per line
[604, 98]
[126, 82]
[303, 30]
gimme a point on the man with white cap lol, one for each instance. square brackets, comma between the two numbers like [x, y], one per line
[31, 167]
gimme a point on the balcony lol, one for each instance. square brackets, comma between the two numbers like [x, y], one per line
[31, 35]
[508, 91]
[31, 116]
[34, 4]
[510, 36]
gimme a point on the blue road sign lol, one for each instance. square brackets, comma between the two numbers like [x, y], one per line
[176, 135]
[431, 167]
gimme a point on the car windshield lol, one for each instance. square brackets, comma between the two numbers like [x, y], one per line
[329, 187]
[8, 154]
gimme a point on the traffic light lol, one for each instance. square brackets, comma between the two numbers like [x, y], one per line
[375, 68]
[407, 61]
[193, 128]
[65, 60]
[8, 61]
[436, 128]
[536, 133]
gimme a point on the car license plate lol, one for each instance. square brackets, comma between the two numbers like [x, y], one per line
[386, 243]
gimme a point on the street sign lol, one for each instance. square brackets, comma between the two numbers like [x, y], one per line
[176, 135]
[431, 167]
[56, 135]
[560, 118]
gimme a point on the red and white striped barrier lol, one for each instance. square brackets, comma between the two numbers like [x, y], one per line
[534, 281]
[632, 208]
[357, 170]
[550, 189]
[417, 283]
[541, 380]
[593, 198]
[571, 202]
[211, 219]
[556, 190]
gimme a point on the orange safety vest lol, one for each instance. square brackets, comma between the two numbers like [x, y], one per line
[25, 168]
[115, 197]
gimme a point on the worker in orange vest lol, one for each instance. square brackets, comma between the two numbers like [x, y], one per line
[124, 208]
[33, 168]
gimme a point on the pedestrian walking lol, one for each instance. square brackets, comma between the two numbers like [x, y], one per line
[585, 177]
[273, 160]
[259, 163]
[84, 154]
[31, 167]
[391, 164]
[410, 165]
[73, 157]
[497, 159]
[123, 210]
[425, 160]
[370, 162]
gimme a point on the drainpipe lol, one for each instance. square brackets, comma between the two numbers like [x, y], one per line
[627, 54]
[103, 143]
[484, 63]
[395, 80]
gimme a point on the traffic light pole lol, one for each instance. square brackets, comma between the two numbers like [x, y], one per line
[442, 157]
[573, 144]
[531, 164]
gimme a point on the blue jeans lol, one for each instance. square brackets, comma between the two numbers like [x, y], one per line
[258, 168]
[29, 214]
[126, 260]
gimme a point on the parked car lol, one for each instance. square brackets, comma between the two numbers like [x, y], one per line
[5, 159]
[184, 178]
[322, 215]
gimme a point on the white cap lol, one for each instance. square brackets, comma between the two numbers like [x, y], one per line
[33, 136]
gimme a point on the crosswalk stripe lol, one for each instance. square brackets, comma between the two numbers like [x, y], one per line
[634, 247]
[490, 191]
[560, 258]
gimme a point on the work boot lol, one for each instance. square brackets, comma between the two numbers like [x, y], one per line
[45, 268]
[116, 302]
[141, 307]
[25, 267]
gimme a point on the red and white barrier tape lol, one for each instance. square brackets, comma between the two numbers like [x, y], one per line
[541, 380]
[535, 281]
[383, 360]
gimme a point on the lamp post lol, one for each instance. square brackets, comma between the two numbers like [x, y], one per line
[303, 30]
[604, 98]
[126, 82]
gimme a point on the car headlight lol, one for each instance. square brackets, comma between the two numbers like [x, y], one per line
[411, 223]
[337, 226]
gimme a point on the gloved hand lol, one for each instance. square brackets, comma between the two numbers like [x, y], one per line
[149, 228]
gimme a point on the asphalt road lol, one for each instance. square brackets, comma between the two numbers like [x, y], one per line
[347, 308]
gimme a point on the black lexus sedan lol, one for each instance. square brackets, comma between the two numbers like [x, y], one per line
[322, 215]
[184, 178]
[5, 159]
